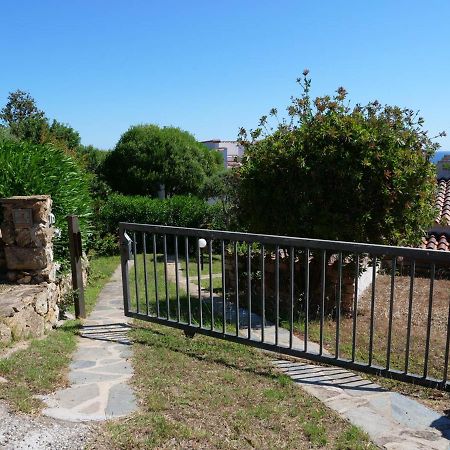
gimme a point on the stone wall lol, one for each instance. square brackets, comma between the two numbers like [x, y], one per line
[29, 302]
[27, 238]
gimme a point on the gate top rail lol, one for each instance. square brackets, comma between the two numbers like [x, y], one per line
[318, 244]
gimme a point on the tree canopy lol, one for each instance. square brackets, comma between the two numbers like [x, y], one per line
[27, 122]
[148, 156]
[334, 172]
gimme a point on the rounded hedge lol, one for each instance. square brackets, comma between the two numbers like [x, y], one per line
[29, 169]
[148, 156]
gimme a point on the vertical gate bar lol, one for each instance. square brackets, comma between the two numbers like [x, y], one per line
[124, 260]
[263, 292]
[322, 299]
[355, 307]
[166, 281]
[430, 315]
[236, 284]
[249, 291]
[224, 311]
[372, 308]
[291, 317]
[391, 313]
[155, 274]
[447, 347]
[188, 292]
[199, 281]
[135, 272]
[277, 292]
[177, 289]
[307, 257]
[211, 299]
[144, 251]
[410, 307]
[338, 307]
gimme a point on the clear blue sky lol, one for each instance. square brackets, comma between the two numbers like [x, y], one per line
[210, 67]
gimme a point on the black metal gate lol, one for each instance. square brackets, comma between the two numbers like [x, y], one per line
[371, 308]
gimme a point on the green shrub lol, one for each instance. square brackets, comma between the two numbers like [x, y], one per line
[176, 211]
[28, 169]
[147, 156]
[333, 172]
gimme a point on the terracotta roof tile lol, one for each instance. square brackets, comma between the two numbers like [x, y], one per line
[443, 202]
[433, 242]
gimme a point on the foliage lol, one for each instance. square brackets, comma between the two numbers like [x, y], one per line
[335, 172]
[147, 156]
[29, 169]
[6, 136]
[91, 157]
[180, 211]
[222, 188]
[28, 123]
[23, 117]
[64, 134]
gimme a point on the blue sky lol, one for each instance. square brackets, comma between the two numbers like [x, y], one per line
[210, 67]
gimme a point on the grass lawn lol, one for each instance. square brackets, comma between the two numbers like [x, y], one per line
[41, 368]
[207, 393]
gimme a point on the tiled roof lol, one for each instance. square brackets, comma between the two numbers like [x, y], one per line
[436, 242]
[438, 237]
[443, 202]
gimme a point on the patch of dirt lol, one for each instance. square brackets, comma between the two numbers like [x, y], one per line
[20, 432]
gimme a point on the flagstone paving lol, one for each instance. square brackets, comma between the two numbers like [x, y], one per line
[101, 367]
[393, 421]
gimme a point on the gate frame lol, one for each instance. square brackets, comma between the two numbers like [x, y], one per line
[431, 256]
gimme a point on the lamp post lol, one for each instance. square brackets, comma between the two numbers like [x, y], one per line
[202, 245]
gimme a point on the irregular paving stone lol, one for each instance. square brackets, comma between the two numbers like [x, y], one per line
[120, 401]
[101, 361]
[392, 420]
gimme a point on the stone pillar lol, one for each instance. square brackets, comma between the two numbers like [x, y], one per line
[27, 239]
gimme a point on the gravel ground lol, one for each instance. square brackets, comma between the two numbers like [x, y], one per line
[19, 432]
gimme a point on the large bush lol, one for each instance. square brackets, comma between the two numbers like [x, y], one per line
[147, 156]
[334, 172]
[28, 169]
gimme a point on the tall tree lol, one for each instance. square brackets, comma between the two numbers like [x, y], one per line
[24, 119]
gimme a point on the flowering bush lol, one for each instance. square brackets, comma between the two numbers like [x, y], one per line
[334, 172]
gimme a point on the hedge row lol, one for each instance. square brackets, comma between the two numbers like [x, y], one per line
[178, 211]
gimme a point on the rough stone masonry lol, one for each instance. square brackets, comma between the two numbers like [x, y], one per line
[28, 303]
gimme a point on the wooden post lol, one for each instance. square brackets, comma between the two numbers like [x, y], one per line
[76, 253]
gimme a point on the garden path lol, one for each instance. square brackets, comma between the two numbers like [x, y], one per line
[101, 367]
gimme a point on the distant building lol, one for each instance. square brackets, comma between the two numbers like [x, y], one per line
[231, 151]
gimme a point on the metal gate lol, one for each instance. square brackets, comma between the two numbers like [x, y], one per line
[377, 309]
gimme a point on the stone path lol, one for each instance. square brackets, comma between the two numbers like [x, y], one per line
[393, 421]
[101, 366]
